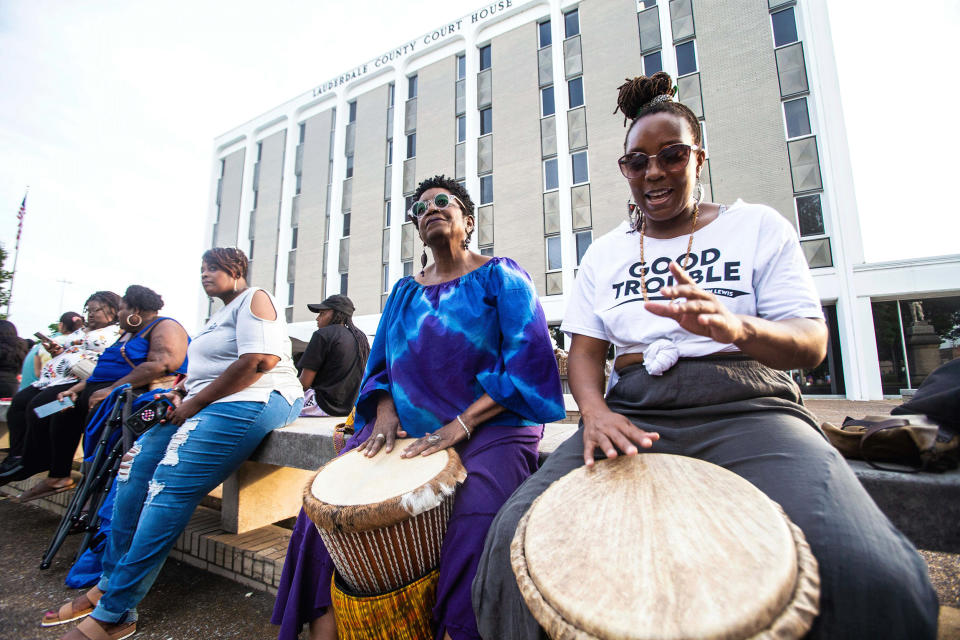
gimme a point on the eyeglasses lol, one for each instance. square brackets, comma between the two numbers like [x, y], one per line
[670, 159]
[440, 201]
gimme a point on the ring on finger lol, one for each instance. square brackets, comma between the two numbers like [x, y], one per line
[433, 438]
[380, 436]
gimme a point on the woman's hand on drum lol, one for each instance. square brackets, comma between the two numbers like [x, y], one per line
[443, 438]
[385, 430]
[700, 313]
[613, 434]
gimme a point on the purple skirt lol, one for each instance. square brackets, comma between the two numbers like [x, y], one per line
[497, 460]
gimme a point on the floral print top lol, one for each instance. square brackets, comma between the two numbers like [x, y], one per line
[79, 345]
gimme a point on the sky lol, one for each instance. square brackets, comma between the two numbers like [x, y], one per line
[108, 111]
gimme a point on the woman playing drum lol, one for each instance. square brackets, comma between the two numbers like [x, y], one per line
[743, 309]
[462, 359]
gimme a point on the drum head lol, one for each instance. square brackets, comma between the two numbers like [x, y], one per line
[659, 546]
[354, 479]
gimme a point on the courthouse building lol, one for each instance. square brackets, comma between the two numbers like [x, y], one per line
[515, 100]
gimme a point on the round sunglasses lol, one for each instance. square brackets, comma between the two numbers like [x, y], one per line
[440, 201]
[671, 159]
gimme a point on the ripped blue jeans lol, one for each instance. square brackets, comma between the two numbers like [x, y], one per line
[162, 479]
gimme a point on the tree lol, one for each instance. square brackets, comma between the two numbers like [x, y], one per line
[5, 277]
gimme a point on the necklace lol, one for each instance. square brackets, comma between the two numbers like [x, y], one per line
[686, 258]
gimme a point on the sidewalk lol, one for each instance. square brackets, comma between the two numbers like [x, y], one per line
[186, 603]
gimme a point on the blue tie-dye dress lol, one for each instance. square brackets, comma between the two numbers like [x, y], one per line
[440, 347]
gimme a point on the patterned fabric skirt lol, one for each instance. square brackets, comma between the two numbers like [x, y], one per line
[402, 614]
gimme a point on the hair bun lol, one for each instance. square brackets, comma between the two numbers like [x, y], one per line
[635, 93]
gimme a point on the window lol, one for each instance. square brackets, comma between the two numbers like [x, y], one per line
[554, 260]
[408, 268]
[580, 173]
[346, 224]
[412, 87]
[250, 257]
[547, 106]
[648, 3]
[652, 63]
[486, 251]
[343, 284]
[575, 92]
[350, 166]
[486, 189]
[545, 38]
[386, 213]
[391, 94]
[290, 294]
[461, 128]
[386, 277]
[389, 151]
[571, 23]
[408, 202]
[411, 145]
[299, 184]
[302, 133]
[485, 57]
[461, 66]
[583, 238]
[259, 150]
[686, 58]
[798, 120]
[551, 178]
[784, 27]
[293, 237]
[486, 121]
[352, 113]
[810, 215]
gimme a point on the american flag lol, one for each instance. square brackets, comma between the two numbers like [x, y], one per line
[20, 216]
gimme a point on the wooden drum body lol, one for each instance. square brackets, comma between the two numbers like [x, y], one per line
[383, 518]
[667, 547]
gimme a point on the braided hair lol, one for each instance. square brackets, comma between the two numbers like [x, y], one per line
[109, 301]
[142, 298]
[231, 260]
[339, 317]
[637, 99]
[643, 96]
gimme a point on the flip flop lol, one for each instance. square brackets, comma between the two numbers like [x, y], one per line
[67, 613]
[90, 630]
[38, 491]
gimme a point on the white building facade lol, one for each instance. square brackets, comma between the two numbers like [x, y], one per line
[514, 100]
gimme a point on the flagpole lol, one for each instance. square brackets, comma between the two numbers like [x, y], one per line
[16, 255]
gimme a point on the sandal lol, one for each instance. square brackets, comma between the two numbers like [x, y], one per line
[40, 491]
[89, 629]
[69, 613]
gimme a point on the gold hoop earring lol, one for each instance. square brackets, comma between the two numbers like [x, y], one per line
[235, 281]
[130, 321]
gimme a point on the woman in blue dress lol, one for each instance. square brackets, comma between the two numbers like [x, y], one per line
[462, 358]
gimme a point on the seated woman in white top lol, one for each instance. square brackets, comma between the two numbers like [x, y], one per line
[707, 306]
[240, 385]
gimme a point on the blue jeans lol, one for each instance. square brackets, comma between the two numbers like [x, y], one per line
[161, 481]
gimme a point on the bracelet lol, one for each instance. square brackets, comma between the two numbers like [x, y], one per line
[464, 426]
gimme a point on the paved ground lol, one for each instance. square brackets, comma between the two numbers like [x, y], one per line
[185, 603]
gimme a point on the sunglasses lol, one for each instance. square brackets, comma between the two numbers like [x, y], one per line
[440, 201]
[671, 159]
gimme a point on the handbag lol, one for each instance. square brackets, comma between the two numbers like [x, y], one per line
[83, 368]
[912, 442]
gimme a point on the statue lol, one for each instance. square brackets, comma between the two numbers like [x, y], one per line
[916, 312]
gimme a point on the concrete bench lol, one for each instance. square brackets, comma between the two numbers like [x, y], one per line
[925, 506]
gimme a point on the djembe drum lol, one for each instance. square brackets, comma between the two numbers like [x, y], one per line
[667, 547]
[383, 520]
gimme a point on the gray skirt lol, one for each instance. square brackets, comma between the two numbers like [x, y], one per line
[748, 418]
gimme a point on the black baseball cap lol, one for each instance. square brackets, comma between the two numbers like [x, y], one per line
[336, 303]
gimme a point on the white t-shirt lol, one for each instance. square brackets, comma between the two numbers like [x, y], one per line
[232, 332]
[749, 257]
